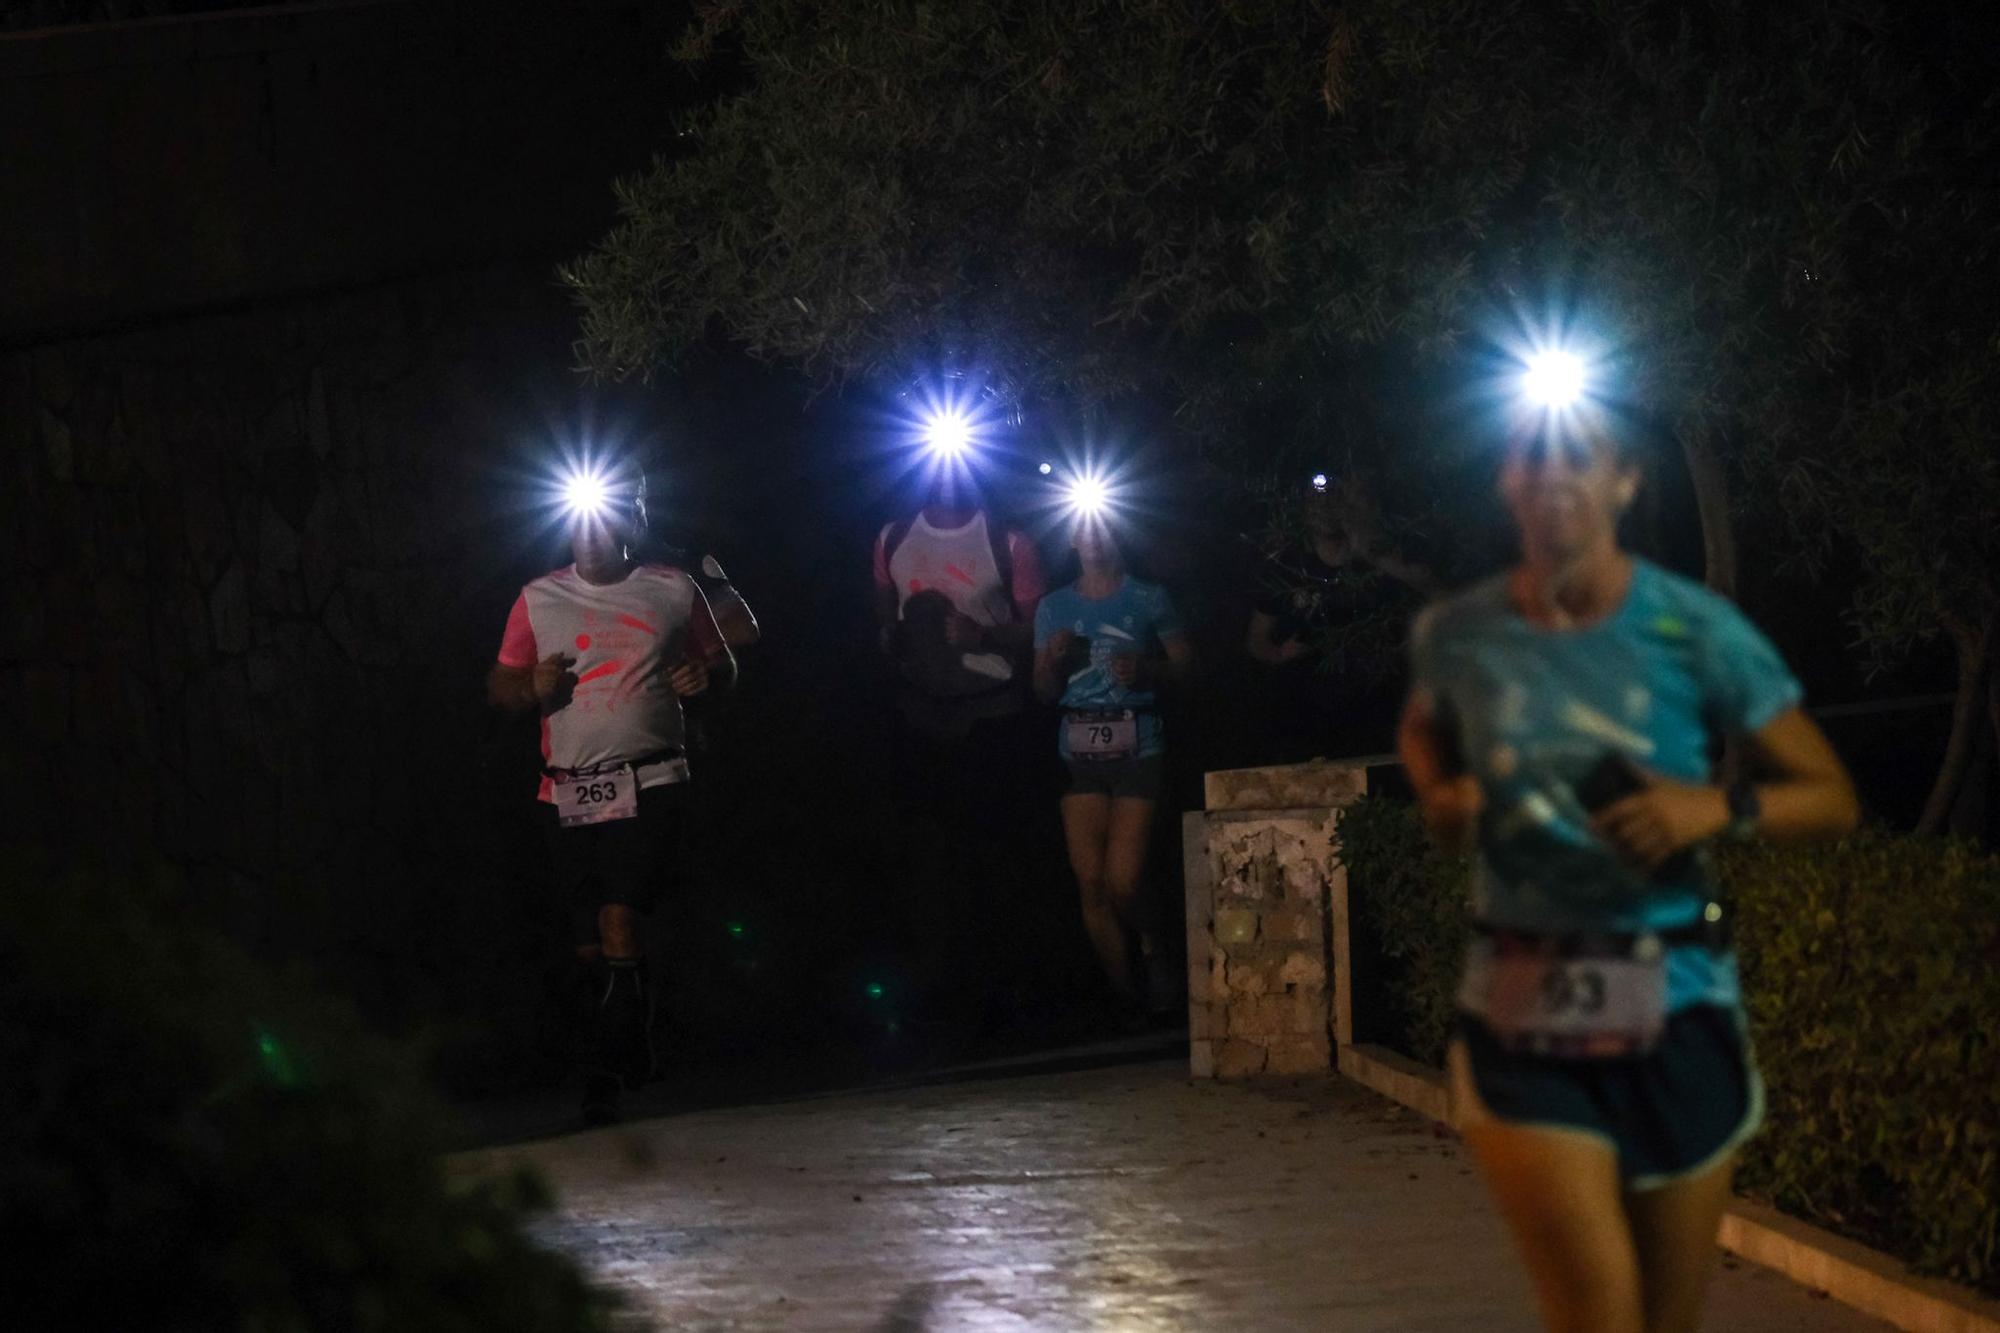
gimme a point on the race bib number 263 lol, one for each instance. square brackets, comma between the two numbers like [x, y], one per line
[596, 798]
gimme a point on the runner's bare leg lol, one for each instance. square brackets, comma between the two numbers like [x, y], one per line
[1561, 1197]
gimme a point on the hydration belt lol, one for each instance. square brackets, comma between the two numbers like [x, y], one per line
[1714, 935]
[613, 765]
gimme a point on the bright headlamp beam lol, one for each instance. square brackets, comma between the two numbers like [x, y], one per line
[1088, 496]
[1554, 379]
[585, 495]
[948, 434]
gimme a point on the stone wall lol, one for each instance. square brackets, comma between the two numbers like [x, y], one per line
[1261, 881]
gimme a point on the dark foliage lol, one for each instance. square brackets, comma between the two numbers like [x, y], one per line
[188, 1142]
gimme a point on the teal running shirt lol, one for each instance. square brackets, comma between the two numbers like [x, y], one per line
[1534, 710]
[1130, 620]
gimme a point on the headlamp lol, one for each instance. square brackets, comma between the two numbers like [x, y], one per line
[585, 493]
[1554, 379]
[948, 434]
[1087, 495]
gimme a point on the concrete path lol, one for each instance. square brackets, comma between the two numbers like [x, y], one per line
[1121, 1199]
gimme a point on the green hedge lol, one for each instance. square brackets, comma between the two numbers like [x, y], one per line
[1414, 895]
[1872, 974]
[189, 1142]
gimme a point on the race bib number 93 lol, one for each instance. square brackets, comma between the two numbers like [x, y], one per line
[1576, 999]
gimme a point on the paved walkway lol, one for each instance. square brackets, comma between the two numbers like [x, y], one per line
[1121, 1199]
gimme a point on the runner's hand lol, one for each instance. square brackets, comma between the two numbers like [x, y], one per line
[1058, 648]
[1125, 669]
[962, 631]
[1451, 809]
[1649, 826]
[1291, 650]
[553, 681]
[689, 679]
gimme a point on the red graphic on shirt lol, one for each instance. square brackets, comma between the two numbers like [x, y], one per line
[607, 669]
[583, 643]
[633, 622]
[960, 575]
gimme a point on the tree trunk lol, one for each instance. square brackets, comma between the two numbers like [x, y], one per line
[1975, 661]
[1711, 498]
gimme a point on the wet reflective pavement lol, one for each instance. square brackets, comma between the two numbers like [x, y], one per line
[1118, 1199]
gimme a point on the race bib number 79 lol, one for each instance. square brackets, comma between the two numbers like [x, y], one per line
[1113, 735]
[595, 798]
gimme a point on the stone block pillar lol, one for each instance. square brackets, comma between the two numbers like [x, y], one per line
[1263, 884]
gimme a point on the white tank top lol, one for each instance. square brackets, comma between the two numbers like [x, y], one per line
[956, 564]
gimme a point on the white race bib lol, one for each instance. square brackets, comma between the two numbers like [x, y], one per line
[1575, 998]
[1112, 735]
[595, 797]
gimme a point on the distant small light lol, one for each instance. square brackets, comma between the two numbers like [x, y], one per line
[1319, 481]
[1712, 913]
[736, 929]
[874, 990]
[1046, 468]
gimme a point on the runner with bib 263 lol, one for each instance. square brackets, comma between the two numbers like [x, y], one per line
[605, 650]
[1563, 717]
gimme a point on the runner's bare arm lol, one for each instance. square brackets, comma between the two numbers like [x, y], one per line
[1050, 662]
[1809, 794]
[545, 685]
[736, 620]
[708, 650]
[1451, 801]
[1806, 794]
[1027, 584]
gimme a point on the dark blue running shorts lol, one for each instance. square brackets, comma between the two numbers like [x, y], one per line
[1142, 777]
[1668, 1114]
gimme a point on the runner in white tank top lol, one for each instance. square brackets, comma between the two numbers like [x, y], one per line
[957, 624]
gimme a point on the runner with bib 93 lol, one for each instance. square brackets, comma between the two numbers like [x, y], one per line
[1562, 719]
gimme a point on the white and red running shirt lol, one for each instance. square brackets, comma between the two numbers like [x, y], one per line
[958, 562]
[626, 637]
